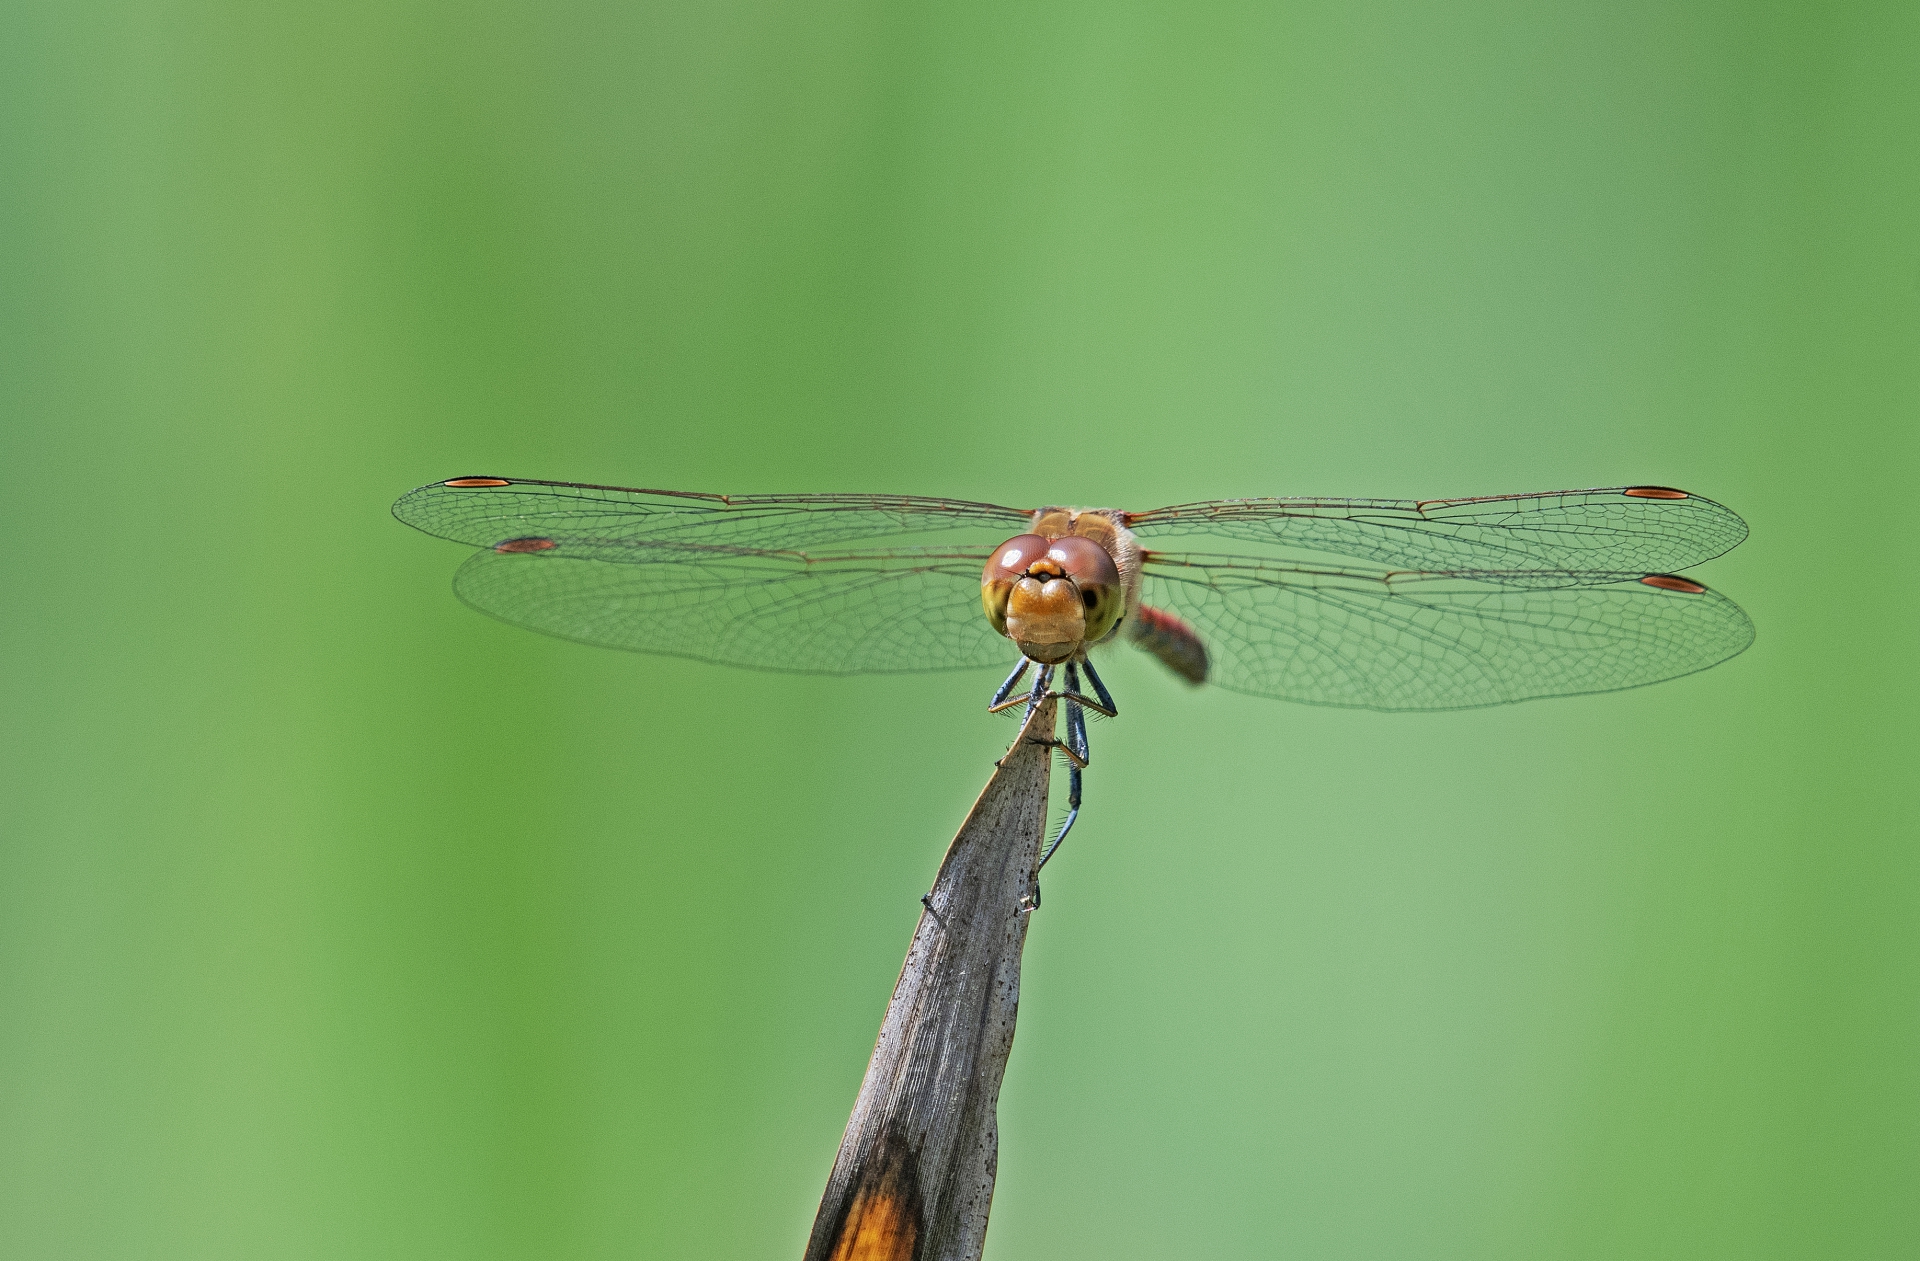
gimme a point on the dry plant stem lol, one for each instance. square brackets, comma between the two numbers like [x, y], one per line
[914, 1177]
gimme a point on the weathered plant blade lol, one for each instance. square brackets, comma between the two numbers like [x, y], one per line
[914, 1177]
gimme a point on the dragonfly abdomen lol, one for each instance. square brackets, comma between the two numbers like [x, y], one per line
[1168, 637]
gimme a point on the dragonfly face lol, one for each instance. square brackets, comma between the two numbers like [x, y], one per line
[1057, 594]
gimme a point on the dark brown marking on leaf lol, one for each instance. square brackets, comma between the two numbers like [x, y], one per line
[526, 545]
[1655, 492]
[464, 483]
[1671, 582]
[882, 1218]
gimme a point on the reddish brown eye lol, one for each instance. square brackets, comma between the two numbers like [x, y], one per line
[1097, 577]
[1004, 568]
[1013, 556]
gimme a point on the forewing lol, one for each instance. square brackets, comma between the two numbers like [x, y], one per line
[485, 511]
[880, 612]
[1622, 529]
[1398, 641]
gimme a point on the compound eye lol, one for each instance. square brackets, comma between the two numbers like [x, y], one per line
[1006, 566]
[1097, 577]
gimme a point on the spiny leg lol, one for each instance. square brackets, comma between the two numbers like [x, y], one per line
[1073, 694]
[1032, 901]
[1066, 825]
[1075, 747]
[1076, 717]
[1078, 755]
[1041, 681]
[1000, 696]
[1099, 689]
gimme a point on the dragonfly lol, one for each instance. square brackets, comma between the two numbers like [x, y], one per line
[1380, 604]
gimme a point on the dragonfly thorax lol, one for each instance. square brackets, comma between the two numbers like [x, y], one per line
[1063, 587]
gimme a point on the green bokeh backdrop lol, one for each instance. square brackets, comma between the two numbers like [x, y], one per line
[339, 921]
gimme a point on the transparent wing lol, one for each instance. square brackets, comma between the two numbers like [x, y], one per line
[1389, 640]
[879, 612]
[1622, 529]
[485, 511]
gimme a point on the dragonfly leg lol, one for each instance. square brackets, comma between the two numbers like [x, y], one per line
[1106, 704]
[1073, 694]
[1031, 697]
[1041, 682]
[1076, 747]
[1078, 754]
[1066, 825]
[1032, 901]
[998, 702]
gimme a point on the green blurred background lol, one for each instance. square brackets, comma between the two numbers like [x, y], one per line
[339, 921]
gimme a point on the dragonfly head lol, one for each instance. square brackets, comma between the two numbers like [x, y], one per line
[1052, 597]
